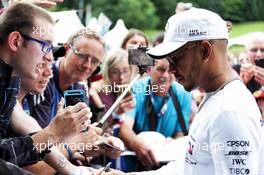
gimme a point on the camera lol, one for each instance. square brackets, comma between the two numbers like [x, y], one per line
[137, 56]
[260, 62]
[72, 97]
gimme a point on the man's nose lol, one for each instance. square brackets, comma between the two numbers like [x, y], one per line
[87, 63]
[48, 71]
[49, 57]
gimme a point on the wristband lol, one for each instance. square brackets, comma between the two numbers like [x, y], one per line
[69, 151]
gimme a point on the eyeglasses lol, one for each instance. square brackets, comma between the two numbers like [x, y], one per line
[44, 66]
[255, 50]
[118, 73]
[175, 57]
[46, 46]
[84, 56]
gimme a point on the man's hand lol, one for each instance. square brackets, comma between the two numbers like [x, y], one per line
[109, 152]
[144, 153]
[44, 3]
[117, 143]
[259, 75]
[84, 141]
[246, 72]
[111, 172]
[81, 170]
[69, 121]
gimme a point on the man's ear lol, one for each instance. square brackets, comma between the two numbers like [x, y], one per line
[14, 40]
[206, 48]
[149, 69]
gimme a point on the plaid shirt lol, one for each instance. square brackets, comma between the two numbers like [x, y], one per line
[18, 150]
[9, 87]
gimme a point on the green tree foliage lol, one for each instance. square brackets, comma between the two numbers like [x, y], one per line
[146, 14]
[234, 10]
[165, 9]
[136, 13]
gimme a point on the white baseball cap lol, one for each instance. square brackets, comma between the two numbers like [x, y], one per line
[190, 25]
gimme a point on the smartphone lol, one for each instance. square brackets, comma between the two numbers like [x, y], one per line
[260, 62]
[138, 56]
[72, 97]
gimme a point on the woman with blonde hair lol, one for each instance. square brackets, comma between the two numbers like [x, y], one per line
[116, 72]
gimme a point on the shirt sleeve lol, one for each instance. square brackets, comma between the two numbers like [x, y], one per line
[234, 144]
[19, 151]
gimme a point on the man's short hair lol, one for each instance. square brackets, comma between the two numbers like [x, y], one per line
[85, 33]
[21, 17]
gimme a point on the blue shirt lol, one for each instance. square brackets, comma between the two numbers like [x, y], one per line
[168, 124]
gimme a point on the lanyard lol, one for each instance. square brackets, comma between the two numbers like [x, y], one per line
[163, 107]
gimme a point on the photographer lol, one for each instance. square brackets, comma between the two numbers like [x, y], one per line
[252, 74]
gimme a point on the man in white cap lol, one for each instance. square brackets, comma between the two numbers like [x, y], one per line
[225, 137]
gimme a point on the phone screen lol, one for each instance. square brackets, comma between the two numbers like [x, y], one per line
[260, 62]
[139, 57]
[72, 97]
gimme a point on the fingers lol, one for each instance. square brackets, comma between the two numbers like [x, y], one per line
[46, 4]
[125, 105]
[60, 105]
[149, 159]
[78, 107]
[153, 159]
[259, 74]
[78, 156]
[96, 129]
[56, 0]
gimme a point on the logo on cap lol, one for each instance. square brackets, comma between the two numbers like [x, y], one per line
[196, 32]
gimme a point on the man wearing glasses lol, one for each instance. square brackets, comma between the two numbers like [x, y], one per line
[22, 49]
[225, 137]
[84, 53]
